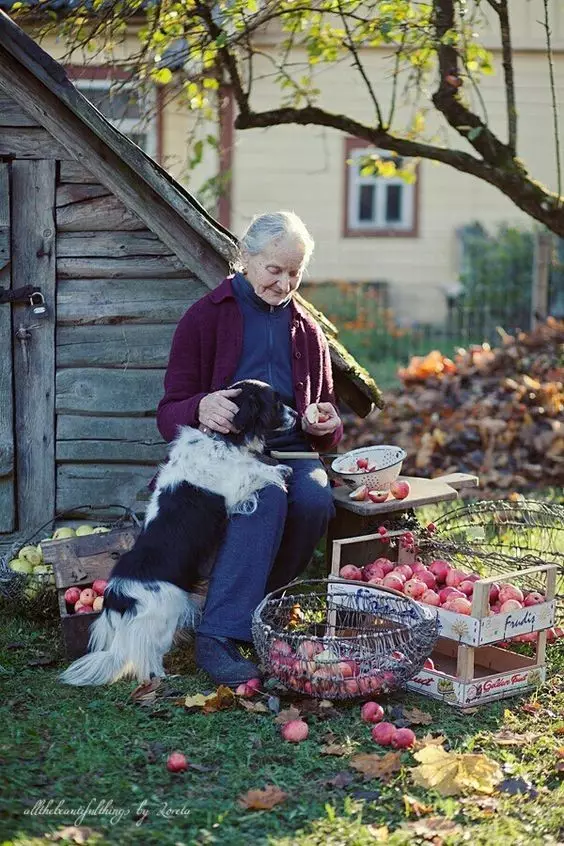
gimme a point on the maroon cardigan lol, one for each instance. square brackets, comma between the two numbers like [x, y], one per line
[206, 349]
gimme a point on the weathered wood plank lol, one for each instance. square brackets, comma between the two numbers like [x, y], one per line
[12, 114]
[71, 171]
[128, 345]
[104, 391]
[96, 214]
[128, 267]
[7, 468]
[33, 186]
[76, 192]
[78, 484]
[30, 143]
[125, 300]
[169, 211]
[110, 244]
[4, 244]
[131, 440]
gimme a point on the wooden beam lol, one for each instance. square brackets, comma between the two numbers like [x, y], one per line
[126, 345]
[7, 460]
[12, 114]
[107, 440]
[110, 244]
[101, 391]
[127, 267]
[30, 143]
[33, 201]
[117, 164]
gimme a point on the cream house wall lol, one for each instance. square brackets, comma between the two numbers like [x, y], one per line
[303, 168]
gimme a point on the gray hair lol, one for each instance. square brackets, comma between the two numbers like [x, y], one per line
[265, 228]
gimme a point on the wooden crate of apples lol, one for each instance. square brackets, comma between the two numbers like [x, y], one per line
[483, 603]
[82, 560]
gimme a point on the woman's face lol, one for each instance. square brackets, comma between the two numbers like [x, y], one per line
[277, 271]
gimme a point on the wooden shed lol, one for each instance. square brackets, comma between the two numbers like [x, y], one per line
[119, 251]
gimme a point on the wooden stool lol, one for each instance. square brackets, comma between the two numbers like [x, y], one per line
[353, 519]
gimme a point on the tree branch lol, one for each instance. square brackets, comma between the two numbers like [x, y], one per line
[512, 181]
[502, 10]
[554, 102]
[350, 46]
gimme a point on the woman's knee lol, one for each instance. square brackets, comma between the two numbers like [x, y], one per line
[313, 496]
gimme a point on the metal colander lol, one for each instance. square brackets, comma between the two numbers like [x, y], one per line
[334, 639]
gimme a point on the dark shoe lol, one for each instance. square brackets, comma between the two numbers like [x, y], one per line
[219, 657]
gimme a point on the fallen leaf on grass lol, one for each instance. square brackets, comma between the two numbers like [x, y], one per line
[255, 707]
[488, 804]
[531, 708]
[42, 661]
[287, 716]
[262, 800]
[433, 828]
[324, 709]
[377, 766]
[74, 833]
[429, 740]
[342, 779]
[510, 738]
[335, 749]
[414, 807]
[417, 717]
[219, 700]
[380, 833]
[451, 773]
[514, 786]
[146, 693]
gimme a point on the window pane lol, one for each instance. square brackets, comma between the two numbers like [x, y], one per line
[394, 199]
[366, 198]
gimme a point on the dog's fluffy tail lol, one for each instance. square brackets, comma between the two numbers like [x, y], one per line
[135, 642]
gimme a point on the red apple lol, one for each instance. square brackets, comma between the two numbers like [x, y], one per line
[403, 738]
[309, 649]
[362, 463]
[295, 731]
[403, 570]
[372, 712]
[429, 664]
[414, 588]
[427, 577]
[176, 762]
[466, 587]
[494, 592]
[507, 591]
[460, 605]
[99, 586]
[383, 733]
[372, 570]
[78, 604]
[399, 489]
[393, 581]
[510, 605]
[440, 569]
[72, 595]
[378, 496]
[430, 598]
[455, 578]
[84, 609]
[446, 592]
[349, 571]
[359, 494]
[385, 564]
[533, 598]
[87, 596]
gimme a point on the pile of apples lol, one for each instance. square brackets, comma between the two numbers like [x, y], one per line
[29, 561]
[440, 584]
[315, 669]
[81, 600]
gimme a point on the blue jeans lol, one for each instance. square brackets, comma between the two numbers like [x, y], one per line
[266, 550]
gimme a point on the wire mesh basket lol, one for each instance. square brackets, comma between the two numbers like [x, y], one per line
[33, 593]
[522, 530]
[336, 640]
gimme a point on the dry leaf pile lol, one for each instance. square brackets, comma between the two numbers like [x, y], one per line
[496, 413]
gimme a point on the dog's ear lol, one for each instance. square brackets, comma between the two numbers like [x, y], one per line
[249, 411]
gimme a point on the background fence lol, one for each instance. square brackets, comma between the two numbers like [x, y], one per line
[508, 280]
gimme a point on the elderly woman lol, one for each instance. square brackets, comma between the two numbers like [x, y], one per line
[251, 328]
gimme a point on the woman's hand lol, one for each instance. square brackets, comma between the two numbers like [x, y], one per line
[216, 411]
[329, 421]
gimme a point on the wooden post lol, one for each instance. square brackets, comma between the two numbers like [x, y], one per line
[541, 269]
[33, 262]
[7, 512]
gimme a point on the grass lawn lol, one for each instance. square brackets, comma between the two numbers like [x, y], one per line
[96, 758]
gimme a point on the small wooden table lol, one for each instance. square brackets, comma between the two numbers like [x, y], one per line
[353, 519]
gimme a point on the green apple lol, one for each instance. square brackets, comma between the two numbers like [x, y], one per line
[84, 530]
[30, 553]
[64, 532]
[100, 530]
[18, 565]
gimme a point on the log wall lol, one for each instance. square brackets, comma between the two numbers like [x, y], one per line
[118, 292]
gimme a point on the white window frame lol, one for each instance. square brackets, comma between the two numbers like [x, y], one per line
[147, 127]
[355, 181]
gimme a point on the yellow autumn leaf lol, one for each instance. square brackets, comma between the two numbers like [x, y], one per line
[197, 701]
[478, 773]
[451, 773]
[262, 800]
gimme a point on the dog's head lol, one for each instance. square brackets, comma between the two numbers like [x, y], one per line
[260, 411]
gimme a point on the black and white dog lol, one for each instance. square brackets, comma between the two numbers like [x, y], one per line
[207, 478]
